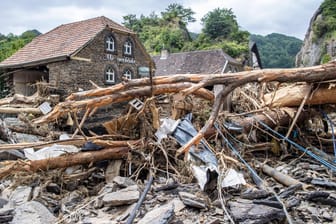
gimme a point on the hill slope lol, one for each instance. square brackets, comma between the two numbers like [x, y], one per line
[277, 50]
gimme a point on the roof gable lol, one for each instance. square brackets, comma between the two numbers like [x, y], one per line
[63, 41]
[194, 62]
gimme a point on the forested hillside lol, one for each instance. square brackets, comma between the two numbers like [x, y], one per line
[169, 31]
[10, 43]
[277, 50]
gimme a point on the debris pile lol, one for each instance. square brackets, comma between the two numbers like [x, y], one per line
[171, 155]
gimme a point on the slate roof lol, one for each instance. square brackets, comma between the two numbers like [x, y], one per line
[193, 62]
[61, 42]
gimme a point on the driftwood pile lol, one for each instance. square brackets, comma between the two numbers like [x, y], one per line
[276, 141]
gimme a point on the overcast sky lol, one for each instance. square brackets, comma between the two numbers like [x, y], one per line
[290, 17]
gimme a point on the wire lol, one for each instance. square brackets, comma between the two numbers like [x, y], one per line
[258, 181]
[301, 148]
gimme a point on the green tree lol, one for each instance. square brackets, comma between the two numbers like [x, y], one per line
[177, 14]
[220, 23]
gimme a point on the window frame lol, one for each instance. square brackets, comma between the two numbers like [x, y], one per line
[108, 39]
[107, 77]
[128, 48]
[130, 75]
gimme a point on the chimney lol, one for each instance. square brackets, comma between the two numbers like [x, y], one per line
[164, 54]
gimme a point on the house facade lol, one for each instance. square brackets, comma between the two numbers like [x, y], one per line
[70, 55]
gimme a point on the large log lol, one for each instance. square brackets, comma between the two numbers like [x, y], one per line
[272, 118]
[99, 140]
[291, 96]
[63, 161]
[118, 97]
[13, 110]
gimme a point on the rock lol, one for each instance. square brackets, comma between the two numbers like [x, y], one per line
[123, 197]
[53, 188]
[20, 195]
[112, 170]
[32, 212]
[123, 181]
[36, 192]
[192, 200]
[159, 215]
[126, 213]
[252, 193]
[3, 202]
[178, 205]
[72, 199]
[11, 155]
[214, 221]
[6, 215]
[22, 137]
[244, 211]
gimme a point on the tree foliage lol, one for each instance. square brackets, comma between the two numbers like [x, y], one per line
[326, 25]
[11, 43]
[220, 23]
[277, 50]
[170, 31]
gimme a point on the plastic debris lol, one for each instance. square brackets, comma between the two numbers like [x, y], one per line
[49, 152]
[204, 161]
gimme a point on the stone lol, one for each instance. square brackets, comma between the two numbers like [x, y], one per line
[123, 197]
[11, 155]
[192, 200]
[244, 211]
[214, 221]
[112, 170]
[178, 205]
[126, 213]
[36, 192]
[160, 215]
[20, 195]
[53, 188]
[32, 212]
[22, 137]
[6, 215]
[123, 181]
[3, 202]
[72, 199]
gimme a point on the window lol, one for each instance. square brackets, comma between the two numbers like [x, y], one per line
[110, 75]
[110, 43]
[128, 74]
[128, 47]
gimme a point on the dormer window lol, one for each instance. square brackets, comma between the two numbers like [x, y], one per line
[128, 74]
[110, 44]
[128, 48]
[110, 75]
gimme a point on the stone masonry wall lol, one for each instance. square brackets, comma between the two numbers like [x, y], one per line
[74, 75]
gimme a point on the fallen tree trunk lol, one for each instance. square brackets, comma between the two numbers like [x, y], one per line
[12, 110]
[118, 97]
[99, 140]
[292, 96]
[272, 118]
[64, 161]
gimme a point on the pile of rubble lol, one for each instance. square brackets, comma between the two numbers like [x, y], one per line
[172, 155]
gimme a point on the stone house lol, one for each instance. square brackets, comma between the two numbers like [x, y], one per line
[195, 62]
[70, 55]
